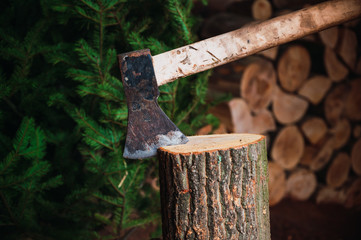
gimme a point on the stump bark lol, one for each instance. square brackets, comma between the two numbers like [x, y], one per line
[215, 187]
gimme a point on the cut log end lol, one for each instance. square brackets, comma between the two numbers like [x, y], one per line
[335, 104]
[323, 156]
[261, 9]
[341, 133]
[301, 184]
[213, 143]
[288, 147]
[338, 171]
[294, 67]
[258, 84]
[288, 108]
[336, 70]
[347, 48]
[314, 129]
[315, 89]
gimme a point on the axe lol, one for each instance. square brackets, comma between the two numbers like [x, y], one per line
[148, 126]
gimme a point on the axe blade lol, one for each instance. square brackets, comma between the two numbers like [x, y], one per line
[148, 126]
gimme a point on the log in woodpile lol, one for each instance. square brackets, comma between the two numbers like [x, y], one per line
[215, 187]
[323, 156]
[314, 129]
[301, 184]
[329, 37]
[258, 84]
[294, 67]
[240, 115]
[288, 147]
[309, 154]
[347, 47]
[263, 122]
[337, 173]
[340, 133]
[315, 89]
[237, 117]
[336, 70]
[261, 9]
[335, 104]
[288, 108]
[276, 183]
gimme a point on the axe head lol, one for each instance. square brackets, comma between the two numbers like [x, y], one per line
[148, 126]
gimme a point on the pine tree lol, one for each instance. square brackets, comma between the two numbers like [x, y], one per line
[63, 114]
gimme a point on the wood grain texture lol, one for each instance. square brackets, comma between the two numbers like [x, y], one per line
[337, 173]
[315, 88]
[347, 48]
[294, 67]
[301, 184]
[288, 108]
[288, 147]
[336, 70]
[323, 155]
[261, 9]
[334, 106]
[215, 187]
[258, 84]
[314, 129]
[340, 133]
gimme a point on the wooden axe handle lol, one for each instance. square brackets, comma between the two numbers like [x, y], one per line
[228, 47]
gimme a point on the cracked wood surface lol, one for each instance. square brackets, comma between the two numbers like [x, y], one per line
[215, 187]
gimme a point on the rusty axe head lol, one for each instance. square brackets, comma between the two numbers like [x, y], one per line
[148, 126]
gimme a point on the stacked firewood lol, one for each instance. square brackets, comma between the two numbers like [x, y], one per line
[305, 96]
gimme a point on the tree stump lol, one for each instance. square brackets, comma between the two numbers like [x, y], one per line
[215, 187]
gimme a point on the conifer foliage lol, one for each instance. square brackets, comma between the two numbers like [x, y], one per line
[63, 114]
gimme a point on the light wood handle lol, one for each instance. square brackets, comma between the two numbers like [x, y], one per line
[228, 47]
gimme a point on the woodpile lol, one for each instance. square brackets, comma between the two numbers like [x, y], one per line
[305, 96]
